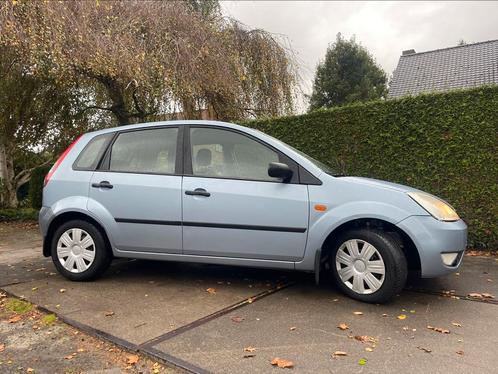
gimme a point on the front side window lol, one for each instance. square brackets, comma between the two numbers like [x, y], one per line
[145, 151]
[227, 154]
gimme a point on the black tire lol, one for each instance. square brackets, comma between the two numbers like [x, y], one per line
[102, 258]
[396, 269]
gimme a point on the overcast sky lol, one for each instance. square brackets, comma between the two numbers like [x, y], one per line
[384, 28]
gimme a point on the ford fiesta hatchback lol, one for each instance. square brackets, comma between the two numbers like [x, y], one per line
[214, 192]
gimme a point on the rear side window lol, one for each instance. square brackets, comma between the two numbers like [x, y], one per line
[145, 151]
[91, 154]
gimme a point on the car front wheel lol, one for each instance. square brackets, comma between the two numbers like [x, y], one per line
[79, 251]
[368, 265]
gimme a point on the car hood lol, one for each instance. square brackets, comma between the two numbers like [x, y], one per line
[378, 183]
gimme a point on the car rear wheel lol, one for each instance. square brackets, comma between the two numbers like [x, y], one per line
[79, 251]
[368, 265]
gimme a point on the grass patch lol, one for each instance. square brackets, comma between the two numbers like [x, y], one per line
[18, 214]
[18, 306]
[48, 319]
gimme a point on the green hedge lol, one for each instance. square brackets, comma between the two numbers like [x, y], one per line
[36, 186]
[445, 144]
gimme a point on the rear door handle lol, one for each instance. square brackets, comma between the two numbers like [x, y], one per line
[103, 184]
[198, 192]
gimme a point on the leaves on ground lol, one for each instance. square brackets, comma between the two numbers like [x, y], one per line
[281, 363]
[132, 359]
[2, 347]
[237, 319]
[343, 326]
[402, 316]
[358, 313]
[365, 339]
[426, 350]
[481, 295]
[62, 290]
[369, 349]
[439, 329]
[461, 353]
[362, 361]
[109, 313]
[249, 349]
[14, 319]
[292, 328]
[211, 290]
[456, 324]
[339, 354]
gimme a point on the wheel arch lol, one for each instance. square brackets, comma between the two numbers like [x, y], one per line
[407, 245]
[68, 216]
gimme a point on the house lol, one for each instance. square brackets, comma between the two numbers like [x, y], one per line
[463, 66]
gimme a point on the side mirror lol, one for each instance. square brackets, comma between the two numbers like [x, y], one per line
[279, 170]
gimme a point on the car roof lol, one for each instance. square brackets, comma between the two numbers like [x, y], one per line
[167, 123]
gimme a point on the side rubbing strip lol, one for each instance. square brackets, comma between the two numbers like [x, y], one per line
[148, 221]
[244, 227]
[212, 225]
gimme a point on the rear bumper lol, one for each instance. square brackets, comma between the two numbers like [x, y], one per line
[45, 216]
[433, 238]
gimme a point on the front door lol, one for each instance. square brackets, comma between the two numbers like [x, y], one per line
[232, 208]
[137, 185]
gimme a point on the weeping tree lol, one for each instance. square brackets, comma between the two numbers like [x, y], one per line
[37, 117]
[153, 57]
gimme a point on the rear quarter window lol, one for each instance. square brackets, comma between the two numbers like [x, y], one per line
[93, 151]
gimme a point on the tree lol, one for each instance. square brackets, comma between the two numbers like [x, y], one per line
[347, 74]
[37, 117]
[151, 57]
[206, 8]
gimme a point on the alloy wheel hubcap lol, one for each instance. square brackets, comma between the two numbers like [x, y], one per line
[76, 250]
[360, 266]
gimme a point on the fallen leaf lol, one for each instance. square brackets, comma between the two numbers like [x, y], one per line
[249, 349]
[339, 353]
[249, 355]
[426, 350]
[384, 314]
[132, 359]
[343, 326]
[402, 316]
[237, 319]
[358, 313]
[368, 349]
[109, 313]
[362, 361]
[2, 347]
[30, 370]
[34, 289]
[14, 319]
[459, 353]
[487, 295]
[69, 357]
[62, 290]
[211, 290]
[456, 324]
[281, 363]
[81, 350]
[292, 328]
[439, 329]
[365, 339]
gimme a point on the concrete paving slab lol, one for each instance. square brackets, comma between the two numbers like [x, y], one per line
[267, 325]
[146, 299]
[476, 275]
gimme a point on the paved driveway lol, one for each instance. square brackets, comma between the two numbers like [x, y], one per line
[220, 319]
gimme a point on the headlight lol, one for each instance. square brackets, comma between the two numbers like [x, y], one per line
[438, 208]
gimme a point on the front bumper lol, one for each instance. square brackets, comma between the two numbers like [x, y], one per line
[433, 238]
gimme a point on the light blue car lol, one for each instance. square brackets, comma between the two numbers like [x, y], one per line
[219, 193]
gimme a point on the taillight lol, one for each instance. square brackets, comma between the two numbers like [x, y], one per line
[59, 161]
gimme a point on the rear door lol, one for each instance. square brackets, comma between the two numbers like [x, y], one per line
[231, 207]
[139, 184]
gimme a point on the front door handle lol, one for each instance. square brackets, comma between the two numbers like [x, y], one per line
[103, 184]
[198, 192]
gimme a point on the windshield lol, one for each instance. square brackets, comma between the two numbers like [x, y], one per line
[321, 165]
